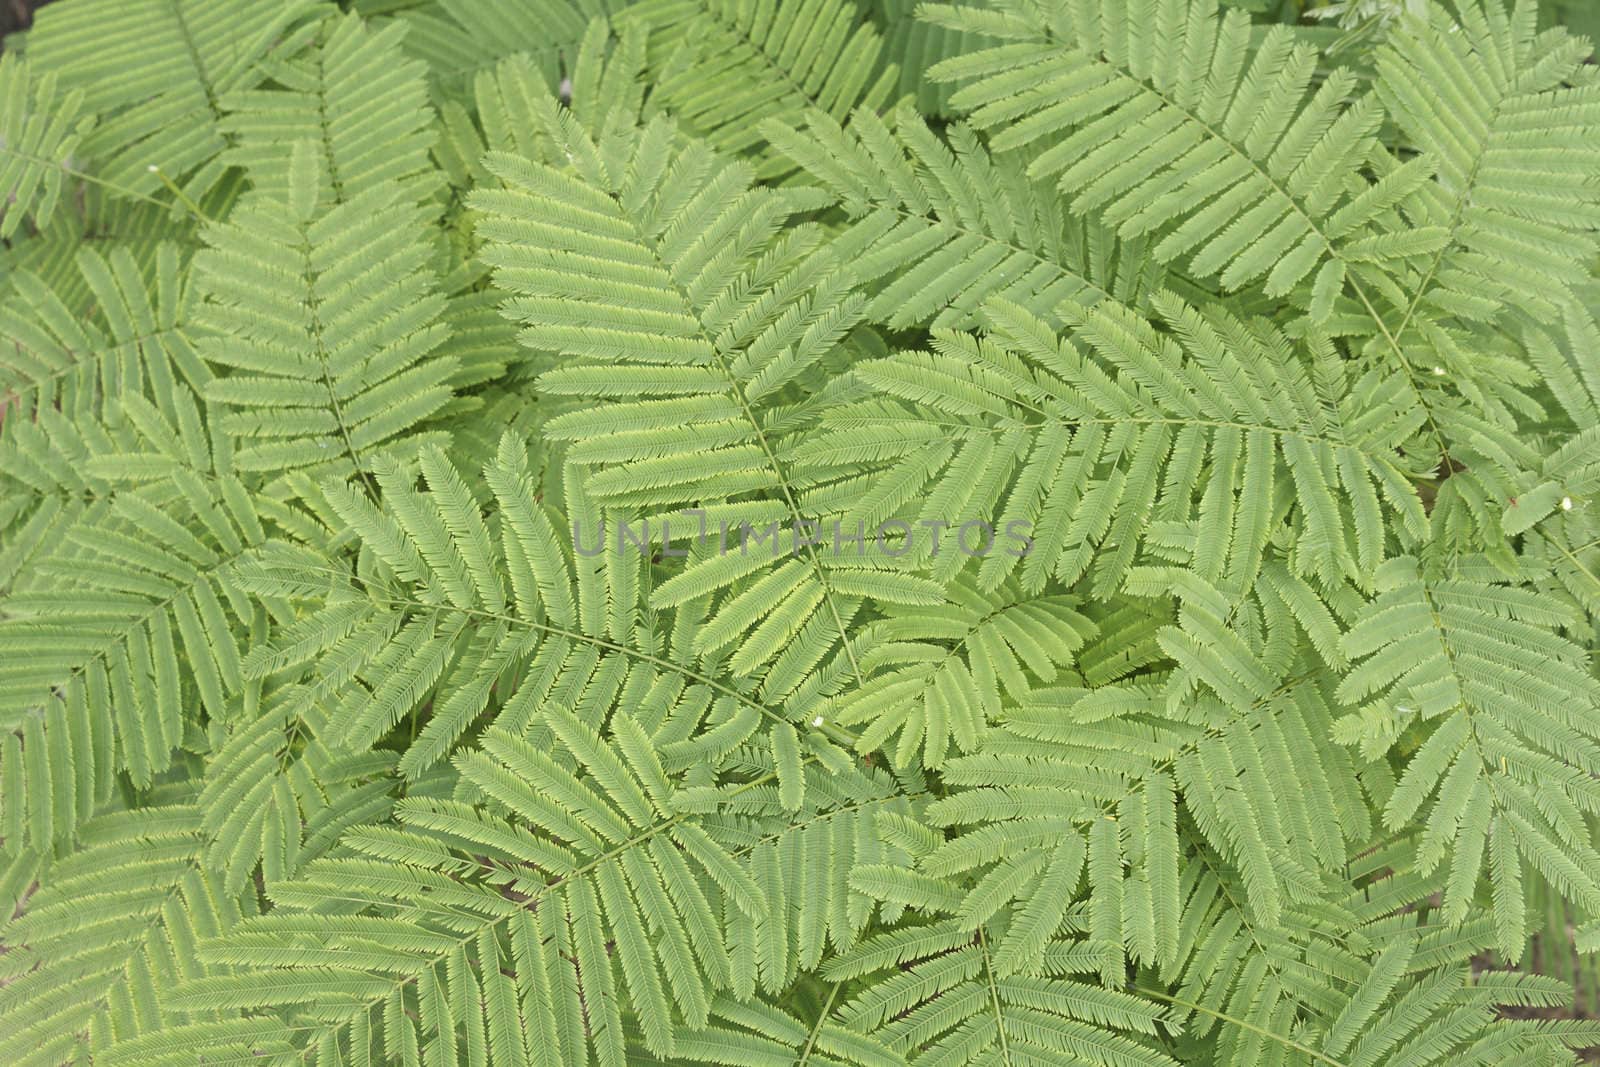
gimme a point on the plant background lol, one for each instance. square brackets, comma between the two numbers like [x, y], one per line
[1581, 16]
[1550, 954]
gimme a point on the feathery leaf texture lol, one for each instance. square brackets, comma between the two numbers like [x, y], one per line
[154, 72]
[761, 533]
[327, 320]
[1160, 117]
[724, 65]
[948, 226]
[40, 135]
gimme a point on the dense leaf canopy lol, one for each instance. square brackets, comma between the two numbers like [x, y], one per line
[767, 532]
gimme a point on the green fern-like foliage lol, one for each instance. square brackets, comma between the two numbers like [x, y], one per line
[1022, 532]
[153, 72]
[40, 133]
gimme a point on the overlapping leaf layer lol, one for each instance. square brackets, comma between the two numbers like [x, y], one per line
[770, 532]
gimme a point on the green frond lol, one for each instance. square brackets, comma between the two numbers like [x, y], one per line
[123, 336]
[356, 98]
[108, 631]
[327, 318]
[95, 218]
[606, 95]
[154, 71]
[1089, 457]
[461, 39]
[916, 46]
[939, 225]
[562, 871]
[1156, 115]
[759, 1034]
[39, 132]
[954, 1006]
[1506, 121]
[941, 674]
[709, 349]
[1500, 699]
[722, 66]
[98, 400]
[278, 793]
[89, 964]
